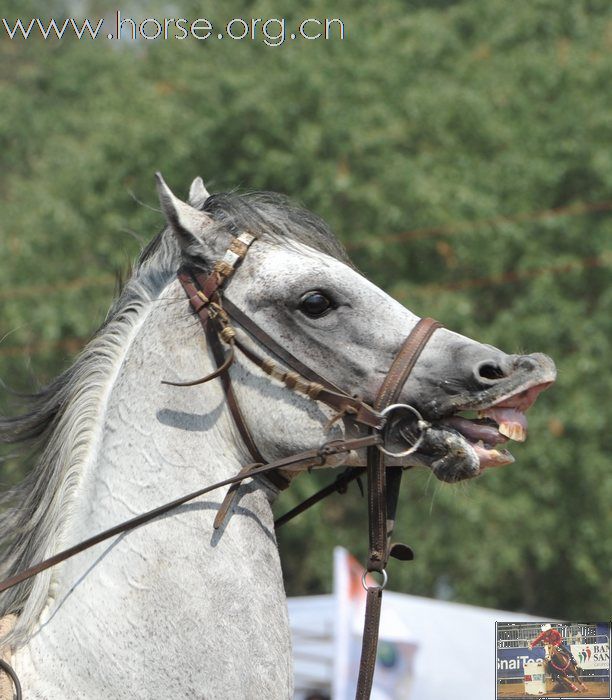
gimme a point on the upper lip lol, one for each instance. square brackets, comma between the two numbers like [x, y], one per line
[511, 393]
[521, 398]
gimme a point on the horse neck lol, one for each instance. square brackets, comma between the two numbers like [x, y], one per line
[165, 603]
[560, 656]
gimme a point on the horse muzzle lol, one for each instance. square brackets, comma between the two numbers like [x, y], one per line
[469, 430]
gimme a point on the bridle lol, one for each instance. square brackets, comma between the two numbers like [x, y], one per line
[217, 314]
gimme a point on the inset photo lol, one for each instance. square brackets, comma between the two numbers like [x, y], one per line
[553, 659]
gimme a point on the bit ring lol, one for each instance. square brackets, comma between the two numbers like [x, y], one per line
[422, 425]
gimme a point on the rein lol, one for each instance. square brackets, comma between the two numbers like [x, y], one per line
[310, 458]
[216, 314]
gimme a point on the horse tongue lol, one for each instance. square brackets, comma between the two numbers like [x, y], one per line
[489, 434]
[511, 422]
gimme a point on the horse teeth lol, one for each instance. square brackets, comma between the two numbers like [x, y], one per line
[514, 431]
[520, 434]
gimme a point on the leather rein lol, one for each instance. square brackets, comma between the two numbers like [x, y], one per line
[216, 314]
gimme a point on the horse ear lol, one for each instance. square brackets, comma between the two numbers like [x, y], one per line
[188, 224]
[198, 193]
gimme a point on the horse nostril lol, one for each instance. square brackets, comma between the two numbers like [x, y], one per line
[489, 371]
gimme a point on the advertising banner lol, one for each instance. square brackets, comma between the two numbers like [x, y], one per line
[510, 662]
[592, 656]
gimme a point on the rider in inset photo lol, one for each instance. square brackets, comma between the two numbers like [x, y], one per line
[552, 637]
[552, 640]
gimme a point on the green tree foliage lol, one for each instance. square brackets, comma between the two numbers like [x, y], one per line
[461, 151]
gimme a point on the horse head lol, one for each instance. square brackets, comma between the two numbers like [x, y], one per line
[298, 284]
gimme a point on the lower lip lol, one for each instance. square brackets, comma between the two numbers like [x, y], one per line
[492, 458]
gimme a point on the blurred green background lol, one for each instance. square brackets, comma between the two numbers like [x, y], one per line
[460, 149]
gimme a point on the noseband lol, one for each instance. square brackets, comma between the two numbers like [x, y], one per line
[217, 315]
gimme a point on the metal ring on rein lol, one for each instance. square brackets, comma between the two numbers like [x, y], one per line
[422, 425]
[378, 586]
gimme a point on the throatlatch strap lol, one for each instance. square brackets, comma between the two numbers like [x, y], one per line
[199, 299]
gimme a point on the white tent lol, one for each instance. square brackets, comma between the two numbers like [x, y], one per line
[456, 646]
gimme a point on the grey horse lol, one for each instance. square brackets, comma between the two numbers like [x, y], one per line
[175, 608]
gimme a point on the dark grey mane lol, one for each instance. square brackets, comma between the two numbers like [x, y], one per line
[60, 419]
[275, 216]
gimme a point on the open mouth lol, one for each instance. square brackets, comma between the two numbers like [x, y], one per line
[470, 429]
[494, 425]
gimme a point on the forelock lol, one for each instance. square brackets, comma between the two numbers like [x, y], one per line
[276, 217]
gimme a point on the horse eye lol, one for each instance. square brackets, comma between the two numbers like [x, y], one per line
[315, 304]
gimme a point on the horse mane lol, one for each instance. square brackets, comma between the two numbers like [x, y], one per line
[62, 421]
[275, 217]
[62, 424]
